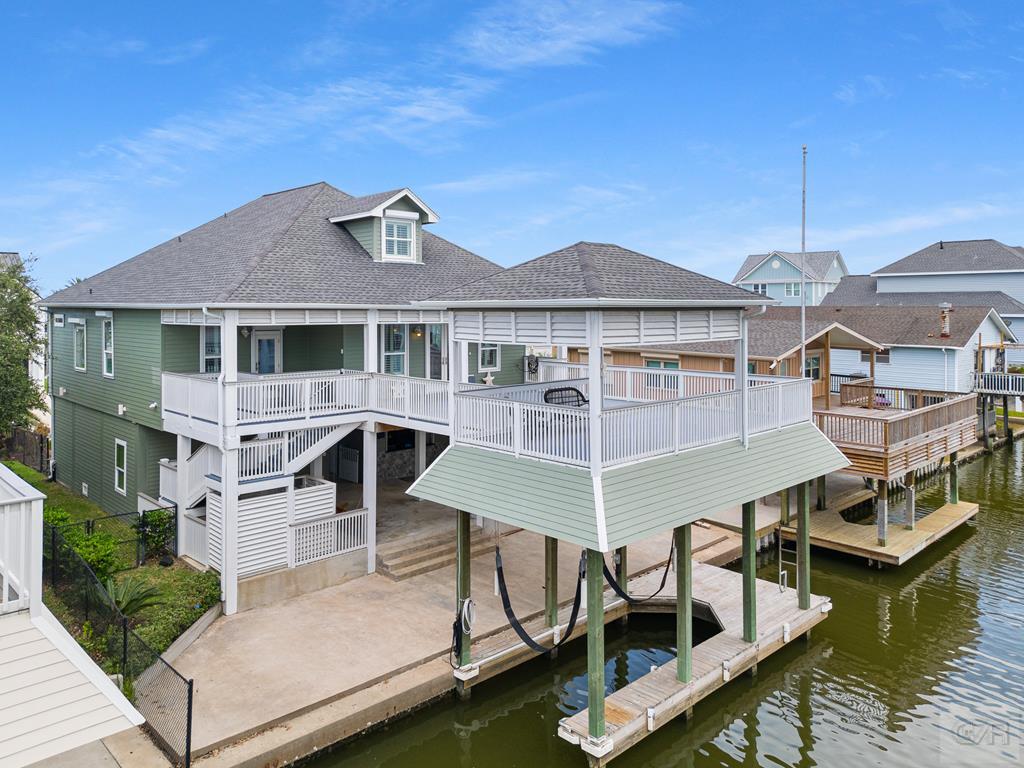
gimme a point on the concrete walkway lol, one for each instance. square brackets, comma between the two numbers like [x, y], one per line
[258, 668]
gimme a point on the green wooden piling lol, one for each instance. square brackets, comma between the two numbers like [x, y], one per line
[462, 577]
[822, 501]
[954, 484]
[784, 505]
[803, 547]
[595, 643]
[684, 603]
[622, 568]
[550, 580]
[749, 573]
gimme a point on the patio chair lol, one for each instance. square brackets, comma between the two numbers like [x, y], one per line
[569, 396]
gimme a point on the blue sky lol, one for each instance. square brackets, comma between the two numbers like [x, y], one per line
[674, 129]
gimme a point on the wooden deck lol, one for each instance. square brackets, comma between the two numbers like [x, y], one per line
[646, 704]
[830, 531]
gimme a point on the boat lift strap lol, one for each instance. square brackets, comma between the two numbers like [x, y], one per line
[618, 590]
[506, 604]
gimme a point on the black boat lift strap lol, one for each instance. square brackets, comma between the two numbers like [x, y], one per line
[618, 590]
[506, 604]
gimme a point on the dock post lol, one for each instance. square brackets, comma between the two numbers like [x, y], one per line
[803, 547]
[883, 511]
[684, 603]
[622, 569]
[821, 493]
[749, 573]
[595, 645]
[910, 483]
[984, 421]
[550, 581]
[954, 480]
[462, 585]
[1007, 432]
[784, 506]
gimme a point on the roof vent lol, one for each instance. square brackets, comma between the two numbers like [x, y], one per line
[945, 309]
[940, 245]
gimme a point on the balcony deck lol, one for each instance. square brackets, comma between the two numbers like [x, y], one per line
[995, 383]
[887, 432]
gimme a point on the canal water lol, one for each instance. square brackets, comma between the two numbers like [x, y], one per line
[917, 666]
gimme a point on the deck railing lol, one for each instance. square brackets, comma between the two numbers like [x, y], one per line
[325, 537]
[21, 544]
[885, 431]
[193, 542]
[866, 394]
[996, 383]
[629, 433]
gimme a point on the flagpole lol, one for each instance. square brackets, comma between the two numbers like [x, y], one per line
[803, 270]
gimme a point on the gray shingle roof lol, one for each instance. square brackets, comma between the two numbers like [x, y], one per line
[597, 271]
[861, 291]
[277, 249]
[364, 204]
[817, 265]
[958, 256]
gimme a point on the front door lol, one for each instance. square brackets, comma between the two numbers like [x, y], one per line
[266, 352]
[437, 353]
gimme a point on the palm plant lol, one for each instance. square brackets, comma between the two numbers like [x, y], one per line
[132, 595]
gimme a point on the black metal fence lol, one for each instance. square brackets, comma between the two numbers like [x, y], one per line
[835, 380]
[82, 604]
[133, 537]
[30, 448]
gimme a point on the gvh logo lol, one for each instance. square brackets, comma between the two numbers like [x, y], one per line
[977, 738]
[985, 734]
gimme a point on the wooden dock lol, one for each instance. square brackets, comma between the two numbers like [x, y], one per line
[830, 531]
[641, 707]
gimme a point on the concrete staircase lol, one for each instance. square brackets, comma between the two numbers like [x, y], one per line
[406, 558]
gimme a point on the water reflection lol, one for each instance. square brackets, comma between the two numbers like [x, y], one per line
[910, 661]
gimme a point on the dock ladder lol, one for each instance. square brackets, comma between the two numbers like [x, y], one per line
[787, 559]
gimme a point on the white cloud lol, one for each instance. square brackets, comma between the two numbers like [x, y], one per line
[521, 33]
[509, 178]
[182, 52]
[864, 88]
[105, 45]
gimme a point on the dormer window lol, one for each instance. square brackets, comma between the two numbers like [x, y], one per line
[399, 240]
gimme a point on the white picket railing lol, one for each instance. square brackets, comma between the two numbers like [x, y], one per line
[410, 397]
[194, 542]
[196, 396]
[262, 458]
[328, 536]
[996, 383]
[21, 544]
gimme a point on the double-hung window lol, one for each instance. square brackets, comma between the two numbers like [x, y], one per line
[394, 349]
[880, 357]
[792, 289]
[812, 367]
[108, 347]
[761, 288]
[79, 346]
[666, 364]
[211, 349]
[399, 240]
[121, 467]
[490, 357]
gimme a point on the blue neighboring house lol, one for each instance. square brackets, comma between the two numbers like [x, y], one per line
[777, 274]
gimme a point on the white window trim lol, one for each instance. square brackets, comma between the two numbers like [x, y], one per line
[85, 347]
[384, 255]
[203, 357]
[865, 357]
[480, 357]
[107, 354]
[123, 471]
[404, 352]
[792, 290]
[58, 320]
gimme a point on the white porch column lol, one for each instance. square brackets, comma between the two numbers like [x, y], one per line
[229, 364]
[419, 449]
[741, 381]
[181, 487]
[595, 394]
[229, 524]
[316, 467]
[371, 341]
[370, 493]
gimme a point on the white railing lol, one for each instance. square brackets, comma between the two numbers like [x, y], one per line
[262, 458]
[995, 383]
[169, 479]
[205, 461]
[194, 539]
[196, 396]
[328, 536]
[410, 397]
[21, 545]
[295, 396]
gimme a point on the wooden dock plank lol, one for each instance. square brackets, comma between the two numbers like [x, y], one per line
[830, 531]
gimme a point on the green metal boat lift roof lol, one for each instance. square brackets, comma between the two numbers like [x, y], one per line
[631, 502]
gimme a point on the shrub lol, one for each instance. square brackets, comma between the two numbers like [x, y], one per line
[156, 528]
[100, 552]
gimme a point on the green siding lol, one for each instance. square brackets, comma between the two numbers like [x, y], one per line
[245, 353]
[180, 348]
[511, 371]
[153, 446]
[537, 495]
[650, 496]
[354, 345]
[367, 232]
[137, 351]
[313, 348]
[417, 352]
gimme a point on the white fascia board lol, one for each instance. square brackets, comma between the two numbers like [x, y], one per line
[220, 306]
[595, 303]
[950, 272]
[378, 211]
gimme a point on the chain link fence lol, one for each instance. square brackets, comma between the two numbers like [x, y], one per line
[131, 537]
[77, 598]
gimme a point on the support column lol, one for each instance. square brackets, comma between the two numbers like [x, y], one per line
[954, 479]
[550, 581]
[1007, 432]
[883, 511]
[741, 374]
[784, 514]
[984, 422]
[622, 568]
[371, 342]
[749, 573]
[803, 547]
[595, 644]
[184, 450]
[822, 500]
[370, 493]
[419, 451]
[910, 483]
[462, 580]
[229, 526]
[684, 603]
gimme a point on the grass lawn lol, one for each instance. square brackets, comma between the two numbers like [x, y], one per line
[185, 594]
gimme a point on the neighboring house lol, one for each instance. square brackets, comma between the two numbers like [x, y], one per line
[37, 365]
[54, 698]
[271, 371]
[777, 275]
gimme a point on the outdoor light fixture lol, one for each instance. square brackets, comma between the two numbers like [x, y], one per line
[417, 331]
[245, 331]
